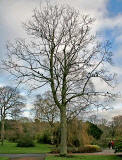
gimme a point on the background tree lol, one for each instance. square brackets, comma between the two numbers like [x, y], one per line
[62, 53]
[93, 119]
[118, 120]
[118, 124]
[94, 131]
[10, 100]
[115, 126]
[45, 108]
[13, 130]
[112, 129]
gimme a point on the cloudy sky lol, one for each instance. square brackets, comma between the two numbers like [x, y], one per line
[108, 26]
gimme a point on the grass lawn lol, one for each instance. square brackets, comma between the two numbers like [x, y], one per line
[85, 158]
[4, 158]
[11, 148]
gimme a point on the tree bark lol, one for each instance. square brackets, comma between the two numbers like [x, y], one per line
[2, 131]
[63, 123]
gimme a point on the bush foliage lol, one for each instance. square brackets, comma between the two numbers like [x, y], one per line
[89, 149]
[45, 138]
[81, 149]
[76, 143]
[94, 131]
[118, 147]
[25, 141]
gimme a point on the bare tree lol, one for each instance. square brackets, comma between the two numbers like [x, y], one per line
[115, 126]
[10, 101]
[45, 108]
[62, 52]
[112, 129]
[93, 119]
[117, 120]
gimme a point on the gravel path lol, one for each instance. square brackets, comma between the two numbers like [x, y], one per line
[24, 156]
[29, 158]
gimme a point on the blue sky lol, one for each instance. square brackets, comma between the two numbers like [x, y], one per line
[108, 26]
[114, 7]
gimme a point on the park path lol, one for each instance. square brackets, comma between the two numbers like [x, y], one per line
[24, 156]
[29, 158]
[104, 152]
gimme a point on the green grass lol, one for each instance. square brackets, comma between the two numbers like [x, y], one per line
[11, 148]
[4, 158]
[85, 158]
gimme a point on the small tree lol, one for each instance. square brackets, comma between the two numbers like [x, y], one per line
[62, 53]
[10, 100]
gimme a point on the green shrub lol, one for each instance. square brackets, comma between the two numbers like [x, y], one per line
[76, 143]
[102, 142]
[25, 141]
[118, 147]
[45, 138]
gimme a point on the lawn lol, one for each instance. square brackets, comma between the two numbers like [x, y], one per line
[4, 158]
[85, 158]
[11, 148]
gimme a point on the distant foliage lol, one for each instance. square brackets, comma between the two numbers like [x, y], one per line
[118, 147]
[81, 149]
[77, 134]
[76, 143]
[25, 141]
[45, 138]
[94, 131]
[89, 149]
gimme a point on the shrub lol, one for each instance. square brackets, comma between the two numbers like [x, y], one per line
[83, 149]
[89, 149]
[76, 143]
[13, 139]
[69, 150]
[25, 141]
[118, 147]
[45, 138]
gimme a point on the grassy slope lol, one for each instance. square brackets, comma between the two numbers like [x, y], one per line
[11, 148]
[85, 158]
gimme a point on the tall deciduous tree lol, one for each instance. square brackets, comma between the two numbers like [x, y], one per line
[62, 53]
[10, 101]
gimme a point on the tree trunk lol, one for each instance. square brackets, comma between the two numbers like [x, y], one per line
[2, 131]
[63, 124]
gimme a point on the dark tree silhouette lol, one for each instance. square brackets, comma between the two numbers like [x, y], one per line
[10, 102]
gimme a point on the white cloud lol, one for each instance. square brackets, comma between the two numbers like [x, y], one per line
[13, 13]
[108, 114]
[113, 22]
